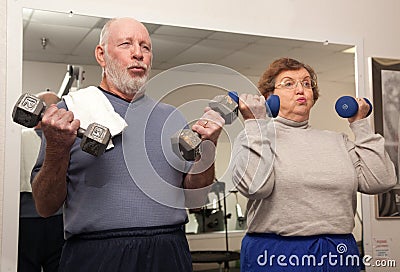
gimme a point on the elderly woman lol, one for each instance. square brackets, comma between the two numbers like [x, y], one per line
[302, 182]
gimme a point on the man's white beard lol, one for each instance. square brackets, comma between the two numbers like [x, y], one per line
[122, 80]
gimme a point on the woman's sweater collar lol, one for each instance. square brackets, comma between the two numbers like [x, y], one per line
[291, 123]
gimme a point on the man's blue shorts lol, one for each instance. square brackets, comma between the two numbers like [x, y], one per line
[159, 249]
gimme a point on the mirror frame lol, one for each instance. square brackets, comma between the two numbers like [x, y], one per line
[384, 210]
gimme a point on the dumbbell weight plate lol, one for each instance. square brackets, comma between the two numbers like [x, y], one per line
[95, 139]
[186, 143]
[226, 107]
[28, 110]
[346, 106]
[274, 104]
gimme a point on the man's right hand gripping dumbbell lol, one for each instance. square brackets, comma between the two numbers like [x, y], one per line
[59, 125]
[186, 143]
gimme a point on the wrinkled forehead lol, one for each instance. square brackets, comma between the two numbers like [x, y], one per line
[128, 28]
[293, 74]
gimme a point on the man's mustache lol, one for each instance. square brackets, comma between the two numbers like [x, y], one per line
[138, 65]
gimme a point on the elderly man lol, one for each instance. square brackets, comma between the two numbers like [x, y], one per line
[111, 222]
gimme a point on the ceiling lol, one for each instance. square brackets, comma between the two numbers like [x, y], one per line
[71, 39]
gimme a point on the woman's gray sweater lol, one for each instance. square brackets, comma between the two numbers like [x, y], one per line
[303, 181]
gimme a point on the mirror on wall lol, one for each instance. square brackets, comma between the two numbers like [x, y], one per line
[386, 89]
[54, 40]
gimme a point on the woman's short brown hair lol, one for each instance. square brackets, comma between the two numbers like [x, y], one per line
[266, 84]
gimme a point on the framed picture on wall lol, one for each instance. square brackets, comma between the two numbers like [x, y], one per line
[386, 92]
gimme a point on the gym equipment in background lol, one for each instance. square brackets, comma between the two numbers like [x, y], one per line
[73, 73]
[218, 256]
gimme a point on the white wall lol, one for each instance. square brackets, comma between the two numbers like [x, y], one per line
[40, 76]
[2, 111]
[369, 24]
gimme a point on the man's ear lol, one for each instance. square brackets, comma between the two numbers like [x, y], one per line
[99, 54]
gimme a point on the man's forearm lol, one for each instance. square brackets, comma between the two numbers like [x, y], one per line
[198, 177]
[49, 187]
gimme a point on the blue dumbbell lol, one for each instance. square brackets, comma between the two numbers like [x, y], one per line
[272, 103]
[347, 106]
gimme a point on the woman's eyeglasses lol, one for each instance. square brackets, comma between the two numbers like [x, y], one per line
[290, 83]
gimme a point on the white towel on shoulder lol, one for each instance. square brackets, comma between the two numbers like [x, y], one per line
[90, 105]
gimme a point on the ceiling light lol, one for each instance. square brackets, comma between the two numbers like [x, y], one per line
[44, 42]
[351, 50]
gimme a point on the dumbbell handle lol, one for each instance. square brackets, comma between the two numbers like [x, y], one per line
[272, 104]
[80, 132]
[95, 139]
[347, 106]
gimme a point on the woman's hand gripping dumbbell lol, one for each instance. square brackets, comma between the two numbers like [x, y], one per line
[353, 108]
[270, 107]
